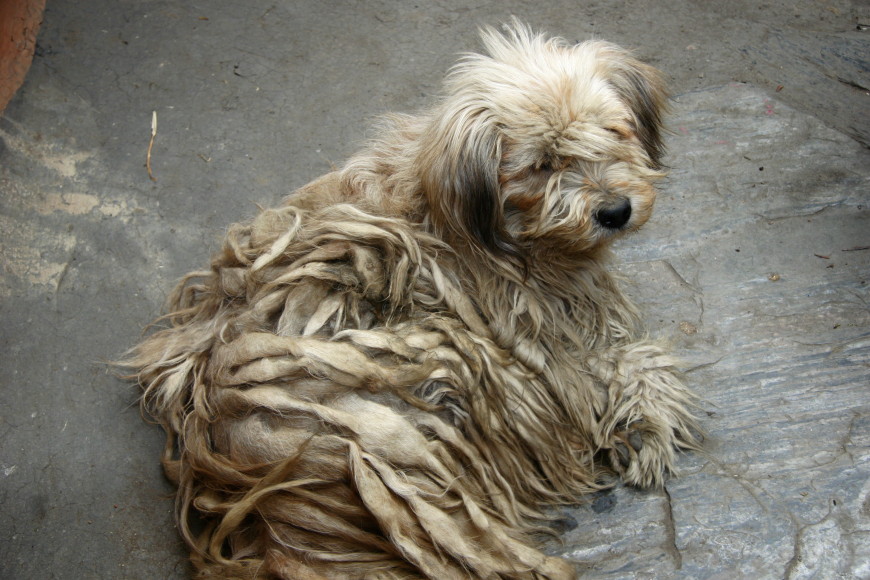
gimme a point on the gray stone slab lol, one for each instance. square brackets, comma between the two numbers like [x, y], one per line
[830, 73]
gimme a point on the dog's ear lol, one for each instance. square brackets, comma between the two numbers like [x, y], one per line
[643, 89]
[459, 165]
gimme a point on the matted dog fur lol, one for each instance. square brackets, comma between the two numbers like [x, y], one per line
[390, 375]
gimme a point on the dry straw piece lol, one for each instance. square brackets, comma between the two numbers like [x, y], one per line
[151, 145]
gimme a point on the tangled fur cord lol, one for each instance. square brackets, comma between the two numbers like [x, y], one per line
[335, 407]
[327, 385]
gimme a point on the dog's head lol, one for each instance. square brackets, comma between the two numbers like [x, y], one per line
[540, 144]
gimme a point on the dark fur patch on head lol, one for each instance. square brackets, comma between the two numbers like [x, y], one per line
[476, 188]
[460, 175]
[642, 88]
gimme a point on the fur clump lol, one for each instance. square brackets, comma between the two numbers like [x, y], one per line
[390, 375]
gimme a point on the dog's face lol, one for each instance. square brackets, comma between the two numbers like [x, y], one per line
[544, 146]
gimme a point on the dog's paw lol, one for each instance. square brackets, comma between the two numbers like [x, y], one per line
[644, 452]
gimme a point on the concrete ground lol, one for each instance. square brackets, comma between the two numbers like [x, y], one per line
[756, 265]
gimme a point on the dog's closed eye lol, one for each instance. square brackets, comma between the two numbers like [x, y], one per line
[621, 133]
[550, 164]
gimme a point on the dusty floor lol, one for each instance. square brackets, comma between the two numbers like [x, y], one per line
[756, 265]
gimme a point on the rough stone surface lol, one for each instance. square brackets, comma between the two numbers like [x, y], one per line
[753, 265]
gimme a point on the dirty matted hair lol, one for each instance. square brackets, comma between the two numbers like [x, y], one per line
[390, 375]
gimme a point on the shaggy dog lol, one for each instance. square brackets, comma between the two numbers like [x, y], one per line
[390, 375]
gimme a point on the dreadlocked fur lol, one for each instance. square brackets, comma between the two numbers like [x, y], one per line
[388, 376]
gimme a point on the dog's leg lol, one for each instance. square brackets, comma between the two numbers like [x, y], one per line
[648, 417]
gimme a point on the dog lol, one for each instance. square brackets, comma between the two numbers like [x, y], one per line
[394, 373]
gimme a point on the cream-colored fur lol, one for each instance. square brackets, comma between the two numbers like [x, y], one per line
[391, 374]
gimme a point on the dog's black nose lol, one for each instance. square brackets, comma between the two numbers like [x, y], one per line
[614, 216]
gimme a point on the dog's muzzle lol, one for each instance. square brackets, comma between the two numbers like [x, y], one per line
[614, 216]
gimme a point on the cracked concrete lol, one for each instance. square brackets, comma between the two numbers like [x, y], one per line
[755, 265]
[670, 545]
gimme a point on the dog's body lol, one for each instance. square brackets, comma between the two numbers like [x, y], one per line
[390, 374]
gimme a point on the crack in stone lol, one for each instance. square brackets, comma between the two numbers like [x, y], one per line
[792, 567]
[679, 277]
[853, 84]
[671, 531]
